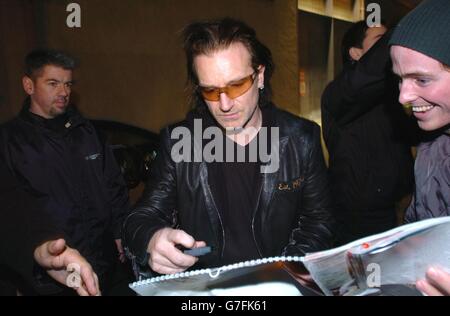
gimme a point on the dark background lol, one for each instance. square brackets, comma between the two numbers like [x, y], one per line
[132, 67]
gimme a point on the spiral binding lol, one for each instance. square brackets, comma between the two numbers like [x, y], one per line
[215, 272]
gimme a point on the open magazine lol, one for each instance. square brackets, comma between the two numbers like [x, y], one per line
[396, 257]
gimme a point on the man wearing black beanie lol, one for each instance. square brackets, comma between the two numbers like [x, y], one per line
[420, 53]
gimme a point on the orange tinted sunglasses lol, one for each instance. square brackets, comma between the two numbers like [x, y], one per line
[233, 90]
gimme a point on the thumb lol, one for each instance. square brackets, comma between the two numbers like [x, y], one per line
[56, 247]
[199, 244]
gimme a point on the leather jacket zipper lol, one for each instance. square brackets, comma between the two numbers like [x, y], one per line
[253, 219]
[220, 220]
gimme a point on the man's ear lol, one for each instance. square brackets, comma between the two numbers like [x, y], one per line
[260, 75]
[355, 53]
[28, 85]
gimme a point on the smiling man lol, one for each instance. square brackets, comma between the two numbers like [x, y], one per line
[421, 58]
[228, 203]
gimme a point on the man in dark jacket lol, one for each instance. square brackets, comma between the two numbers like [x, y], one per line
[368, 136]
[421, 58]
[28, 237]
[58, 156]
[276, 203]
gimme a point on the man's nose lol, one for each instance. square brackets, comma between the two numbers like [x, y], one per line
[64, 90]
[226, 103]
[407, 93]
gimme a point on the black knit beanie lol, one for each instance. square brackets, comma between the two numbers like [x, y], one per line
[426, 29]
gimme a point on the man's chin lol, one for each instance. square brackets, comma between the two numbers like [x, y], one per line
[232, 128]
[430, 126]
[58, 111]
[229, 124]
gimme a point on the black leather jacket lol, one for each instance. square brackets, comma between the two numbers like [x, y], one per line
[293, 213]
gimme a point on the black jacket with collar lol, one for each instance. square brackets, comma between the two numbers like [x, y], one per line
[292, 216]
[23, 227]
[369, 139]
[73, 173]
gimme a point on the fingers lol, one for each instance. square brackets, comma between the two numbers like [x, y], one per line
[427, 288]
[119, 245]
[170, 261]
[164, 266]
[97, 284]
[81, 291]
[120, 251]
[60, 260]
[47, 254]
[89, 281]
[165, 257]
[199, 244]
[122, 257]
[179, 237]
[437, 282]
[56, 247]
[440, 279]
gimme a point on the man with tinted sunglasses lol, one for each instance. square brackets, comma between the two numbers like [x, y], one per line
[242, 208]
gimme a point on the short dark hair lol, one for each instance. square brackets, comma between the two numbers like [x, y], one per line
[39, 58]
[208, 36]
[354, 37]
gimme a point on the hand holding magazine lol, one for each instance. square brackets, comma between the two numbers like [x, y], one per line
[398, 256]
